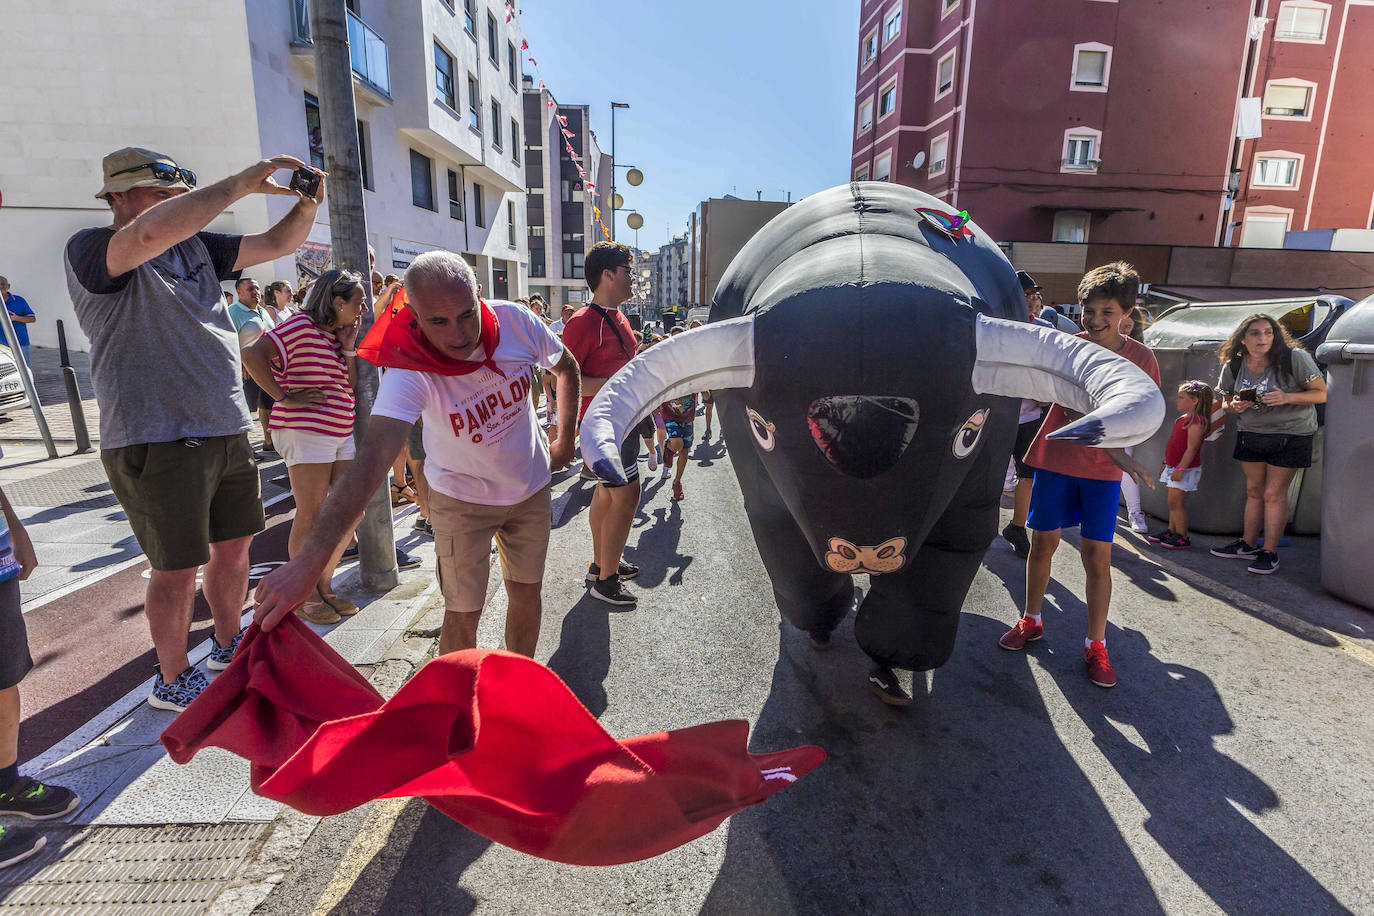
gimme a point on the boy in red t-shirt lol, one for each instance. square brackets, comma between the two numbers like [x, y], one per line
[601, 340]
[1080, 486]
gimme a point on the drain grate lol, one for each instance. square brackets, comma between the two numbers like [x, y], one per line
[144, 870]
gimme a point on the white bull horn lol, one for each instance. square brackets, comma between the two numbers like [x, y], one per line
[719, 355]
[1121, 405]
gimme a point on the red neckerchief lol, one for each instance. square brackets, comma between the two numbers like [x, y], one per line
[396, 342]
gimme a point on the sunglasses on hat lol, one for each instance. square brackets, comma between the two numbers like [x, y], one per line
[163, 172]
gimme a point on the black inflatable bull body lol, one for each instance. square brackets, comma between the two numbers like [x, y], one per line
[868, 365]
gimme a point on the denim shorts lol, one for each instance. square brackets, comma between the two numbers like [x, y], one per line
[1060, 501]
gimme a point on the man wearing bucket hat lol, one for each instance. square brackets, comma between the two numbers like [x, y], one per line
[165, 367]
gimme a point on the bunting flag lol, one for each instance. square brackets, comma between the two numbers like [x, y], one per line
[568, 134]
[510, 10]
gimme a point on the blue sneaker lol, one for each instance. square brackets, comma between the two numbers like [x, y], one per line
[179, 694]
[18, 843]
[221, 656]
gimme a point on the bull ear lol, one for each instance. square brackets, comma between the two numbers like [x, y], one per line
[1121, 404]
[717, 355]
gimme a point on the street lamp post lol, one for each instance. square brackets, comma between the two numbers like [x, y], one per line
[614, 106]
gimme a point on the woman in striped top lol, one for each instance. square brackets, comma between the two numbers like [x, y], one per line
[308, 363]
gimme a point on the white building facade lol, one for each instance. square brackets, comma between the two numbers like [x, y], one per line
[438, 98]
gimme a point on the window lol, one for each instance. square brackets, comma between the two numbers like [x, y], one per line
[871, 47]
[537, 262]
[1070, 226]
[470, 17]
[444, 88]
[515, 141]
[882, 167]
[887, 101]
[495, 124]
[313, 133]
[1276, 170]
[474, 105]
[511, 64]
[1082, 150]
[510, 223]
[353, 7]
[479, 215]
[947, 5]
[455, 199]
[892, 25]
[865, 115]
[536, 232]
[491, 40]
[363, 158]
[573, 265]
[1288, 100]
[1302, 22]
[1092, 63]
[861, 173]
[944, 75]
[421, 181]
[939, 155]
[1265, 227]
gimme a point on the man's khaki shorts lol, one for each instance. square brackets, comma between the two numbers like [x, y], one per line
[185, 495]
[462, 545]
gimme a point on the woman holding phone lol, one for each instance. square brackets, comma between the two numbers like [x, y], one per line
[1272, 386]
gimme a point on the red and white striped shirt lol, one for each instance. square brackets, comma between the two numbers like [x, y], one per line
[310, 358]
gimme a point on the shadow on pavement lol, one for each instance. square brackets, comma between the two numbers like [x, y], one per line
[927, 809]
[657, 551]
[583, 656]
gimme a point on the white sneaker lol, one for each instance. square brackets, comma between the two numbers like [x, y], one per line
[653, 458]
[1138, 523]
[667, 473]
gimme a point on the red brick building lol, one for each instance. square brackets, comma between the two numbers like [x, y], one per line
[1117, 122]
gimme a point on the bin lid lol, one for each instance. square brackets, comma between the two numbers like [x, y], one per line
[1352, 336]
[1182, 327]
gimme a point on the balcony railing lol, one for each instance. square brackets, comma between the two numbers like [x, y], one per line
[366, 49]
[1303, 34]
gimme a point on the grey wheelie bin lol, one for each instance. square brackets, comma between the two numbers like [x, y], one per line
[1347, 498]
[1186, 341]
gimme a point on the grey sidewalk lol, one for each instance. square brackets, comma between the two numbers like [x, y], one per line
[20, 425]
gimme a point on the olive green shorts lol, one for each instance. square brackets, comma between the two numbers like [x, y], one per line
[183, 496]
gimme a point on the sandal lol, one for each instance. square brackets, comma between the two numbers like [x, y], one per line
[401, 494]
[342, 606]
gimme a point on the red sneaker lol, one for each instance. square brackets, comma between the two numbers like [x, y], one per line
[1100, 670]
[1025, 630]
[677, 489]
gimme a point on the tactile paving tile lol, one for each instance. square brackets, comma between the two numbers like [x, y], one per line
[83, 486]
[138, 870]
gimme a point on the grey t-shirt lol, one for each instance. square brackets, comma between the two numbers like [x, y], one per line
[1290, 419]
[164, 354]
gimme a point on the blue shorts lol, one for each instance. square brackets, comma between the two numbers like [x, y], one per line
[1060, 501]
[678, 430]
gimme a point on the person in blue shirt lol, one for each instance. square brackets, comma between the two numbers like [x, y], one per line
[19, 795]
[20, 314]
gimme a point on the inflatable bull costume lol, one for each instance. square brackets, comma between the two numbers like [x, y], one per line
[870, 349]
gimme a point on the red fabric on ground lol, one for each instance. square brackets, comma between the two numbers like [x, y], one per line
[494, 740]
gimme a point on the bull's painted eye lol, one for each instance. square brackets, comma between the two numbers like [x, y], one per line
[763, 430]
[969, 434]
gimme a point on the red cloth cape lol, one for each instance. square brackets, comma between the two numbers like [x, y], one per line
[395, 341]
[494, 740]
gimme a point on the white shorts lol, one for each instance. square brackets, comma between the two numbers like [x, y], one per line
[1191, 478]
[299, 446]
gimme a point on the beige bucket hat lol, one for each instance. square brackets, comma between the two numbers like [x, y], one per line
[135, 167]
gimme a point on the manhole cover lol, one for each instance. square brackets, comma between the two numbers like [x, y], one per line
[162, 870]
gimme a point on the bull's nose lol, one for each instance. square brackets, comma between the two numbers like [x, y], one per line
[863, 435]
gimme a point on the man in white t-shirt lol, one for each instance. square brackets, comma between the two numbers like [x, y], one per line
[487, 464]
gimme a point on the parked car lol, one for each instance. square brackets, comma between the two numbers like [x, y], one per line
[12, 394]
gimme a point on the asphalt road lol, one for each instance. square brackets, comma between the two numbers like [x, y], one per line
[1231, 770]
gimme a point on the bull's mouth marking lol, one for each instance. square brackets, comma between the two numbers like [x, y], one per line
[844, 557]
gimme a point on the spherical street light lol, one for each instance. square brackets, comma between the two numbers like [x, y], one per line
[619, 201]
[634, 220]
[635, 177]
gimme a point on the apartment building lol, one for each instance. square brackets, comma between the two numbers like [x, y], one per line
[562, 222]
[437, 91]
[673, 282]
[718, 229]
[1172, 122]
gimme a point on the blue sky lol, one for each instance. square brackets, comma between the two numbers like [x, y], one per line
[726, 96]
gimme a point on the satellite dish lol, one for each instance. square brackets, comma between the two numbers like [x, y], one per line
[919, 161]
[635, 177]
[619, 201]
[634, 221]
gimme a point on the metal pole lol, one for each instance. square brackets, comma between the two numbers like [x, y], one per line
[613, 206]
[63, 357]
[26, 376]
[348, 236]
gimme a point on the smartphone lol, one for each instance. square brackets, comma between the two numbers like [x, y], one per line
[306, 181]
[1248, 394]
